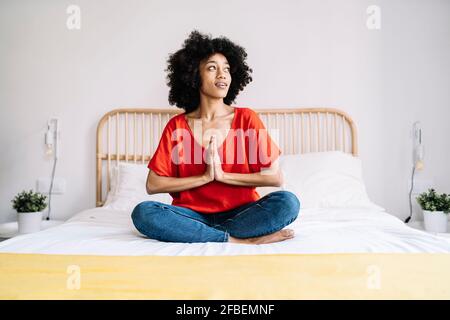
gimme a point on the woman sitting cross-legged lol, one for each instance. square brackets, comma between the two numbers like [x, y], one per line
[211, 158]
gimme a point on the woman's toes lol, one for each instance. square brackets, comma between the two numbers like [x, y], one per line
[288, 233]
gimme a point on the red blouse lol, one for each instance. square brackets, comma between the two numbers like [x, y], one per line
[246, 149]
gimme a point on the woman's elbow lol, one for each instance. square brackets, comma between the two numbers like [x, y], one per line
[152, 185]
[277, 183]
[274, 179]
[152, 188]
[279, 179]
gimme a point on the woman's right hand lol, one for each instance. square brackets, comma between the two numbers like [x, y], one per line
[209, 173]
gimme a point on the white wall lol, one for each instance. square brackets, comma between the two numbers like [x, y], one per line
[303, 53]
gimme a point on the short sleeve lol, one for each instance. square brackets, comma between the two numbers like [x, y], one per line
[161, 162]
[262, 149]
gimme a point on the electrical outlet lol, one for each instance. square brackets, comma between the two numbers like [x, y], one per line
[59, 185]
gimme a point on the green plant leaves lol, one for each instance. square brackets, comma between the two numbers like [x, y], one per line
[29, 201]
[433, 201]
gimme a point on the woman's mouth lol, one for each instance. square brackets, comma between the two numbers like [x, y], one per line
[221, 85]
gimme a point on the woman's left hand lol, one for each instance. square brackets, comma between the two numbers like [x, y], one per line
[218, 172]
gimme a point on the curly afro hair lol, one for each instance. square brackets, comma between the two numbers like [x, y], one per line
[183, 76]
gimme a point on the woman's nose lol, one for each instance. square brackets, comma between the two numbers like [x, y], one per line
[221, 75]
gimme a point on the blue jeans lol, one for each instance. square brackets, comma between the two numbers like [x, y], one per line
[169, 223]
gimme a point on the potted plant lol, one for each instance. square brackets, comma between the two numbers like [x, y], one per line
[29, 207]
[435, 209]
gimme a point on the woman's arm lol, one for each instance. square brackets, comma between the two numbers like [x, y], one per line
[270, 177]
[161, 184]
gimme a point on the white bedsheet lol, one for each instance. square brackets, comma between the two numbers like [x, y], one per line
[102, 231]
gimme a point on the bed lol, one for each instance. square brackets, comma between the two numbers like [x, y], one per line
[346, 246]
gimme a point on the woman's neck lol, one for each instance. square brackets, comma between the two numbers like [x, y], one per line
[210, 109]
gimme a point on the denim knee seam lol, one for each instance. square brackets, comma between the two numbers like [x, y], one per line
[237, 215]
[275, 229]
[186, 216]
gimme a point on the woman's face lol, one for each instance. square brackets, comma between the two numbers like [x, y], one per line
[215, 76]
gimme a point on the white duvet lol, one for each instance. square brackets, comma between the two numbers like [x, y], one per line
[102, 231]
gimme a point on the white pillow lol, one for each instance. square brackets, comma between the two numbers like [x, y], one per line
[326, 180]
[128, 182]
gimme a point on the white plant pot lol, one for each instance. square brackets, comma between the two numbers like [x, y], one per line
[435, 221]
[29, 221]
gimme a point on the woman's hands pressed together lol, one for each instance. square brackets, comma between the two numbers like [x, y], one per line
[271, 176]
[213, 163]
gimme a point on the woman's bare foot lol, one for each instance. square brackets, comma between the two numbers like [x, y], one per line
[280, 235]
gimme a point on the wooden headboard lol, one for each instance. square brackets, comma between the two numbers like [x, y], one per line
[132, 135]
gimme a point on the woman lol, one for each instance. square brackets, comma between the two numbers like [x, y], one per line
[211, 157]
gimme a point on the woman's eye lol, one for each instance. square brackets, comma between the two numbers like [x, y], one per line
[227, 68]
